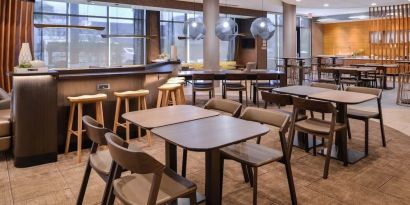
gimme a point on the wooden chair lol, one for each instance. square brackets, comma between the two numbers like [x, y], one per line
[150, 182]
[99, 161]
[269, 82]
[203, 82]
[366, 115]
[169, 93]
[233, 82]
[181, 81]
[78, 102]
[349, 77]
[326, 75]
[140, 95]
[314, 126]
[227, 106]
[325, 85]
[256, 155]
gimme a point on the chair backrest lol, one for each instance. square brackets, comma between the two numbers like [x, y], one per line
[229, 106]
[371, 91]
[203, 76]
[349, 72]
[95, 131]
[270, 117]
[324, 85]
[250, 66]
[276, 98]
[235, 76]
[137, 162]
[313, 105]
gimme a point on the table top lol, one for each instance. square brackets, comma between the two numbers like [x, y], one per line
[342, 97]
[169, 115]
[224, 72]
[297, 58]
[361, 69]
[403, 61]
[300, 90]
[210, 133]
[376, 65]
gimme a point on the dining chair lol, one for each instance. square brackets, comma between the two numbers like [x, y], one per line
[365, 116]
[234, 82]
[326, 75]
[315, 126]
[203, 82]
[265, 82]
[256, 155]
[350, 77]
[325, 85]
[99, 161]
[150, 182]
[229, 107]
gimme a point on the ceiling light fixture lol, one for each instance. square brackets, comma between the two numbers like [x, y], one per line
[326, 5]
[374, 4]
[226, 28]
[298, 0]
[262, 27]
[194, 28]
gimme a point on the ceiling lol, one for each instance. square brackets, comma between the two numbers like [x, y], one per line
[315, 7]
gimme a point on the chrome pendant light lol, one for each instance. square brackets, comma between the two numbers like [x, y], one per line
[194, 28]
[226, 28]
[262, 27]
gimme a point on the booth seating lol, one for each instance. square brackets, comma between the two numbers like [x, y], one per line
[5, 122]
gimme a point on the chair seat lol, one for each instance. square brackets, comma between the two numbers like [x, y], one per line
[177, 78]
[361, 114]
[265, 86]
[203, 86]
[88, 98]
[136, 93]
[135, 188]
[251, 154]
[101, 161]
[176, 81]
[300, 116]
[169, 86]
[234, 86]
[316, 126]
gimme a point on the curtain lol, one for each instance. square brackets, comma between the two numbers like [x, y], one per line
[16, 27]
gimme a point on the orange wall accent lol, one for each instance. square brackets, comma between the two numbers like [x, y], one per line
[345, 38]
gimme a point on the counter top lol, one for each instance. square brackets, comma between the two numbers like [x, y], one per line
[154, 68]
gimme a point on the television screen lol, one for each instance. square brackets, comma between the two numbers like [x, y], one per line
[248, 43]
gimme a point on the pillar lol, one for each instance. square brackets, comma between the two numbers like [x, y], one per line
[211, 42]
[289, 30]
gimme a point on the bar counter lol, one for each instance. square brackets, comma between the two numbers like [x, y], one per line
[40, 108]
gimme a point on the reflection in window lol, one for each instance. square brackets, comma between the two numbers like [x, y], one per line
[64, 47]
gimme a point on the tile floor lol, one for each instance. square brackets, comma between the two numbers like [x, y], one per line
[381, 178]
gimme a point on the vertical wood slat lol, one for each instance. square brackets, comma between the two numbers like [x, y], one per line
[16, 25]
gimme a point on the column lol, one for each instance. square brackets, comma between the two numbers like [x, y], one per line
[211, 42]
[289, 30]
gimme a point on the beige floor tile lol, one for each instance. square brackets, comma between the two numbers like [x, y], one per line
[397, 187]
[63, 197]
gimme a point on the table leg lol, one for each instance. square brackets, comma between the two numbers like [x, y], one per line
[213, 176]
[301, 72]
[171, 156]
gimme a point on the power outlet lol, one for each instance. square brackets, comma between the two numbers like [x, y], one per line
[103, 86]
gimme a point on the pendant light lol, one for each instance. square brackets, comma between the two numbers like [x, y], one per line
[96, 28]
[226, 28]
[193, 28]
[262, 27]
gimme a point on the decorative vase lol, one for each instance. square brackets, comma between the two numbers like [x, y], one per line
[25, 54]
[174, 56]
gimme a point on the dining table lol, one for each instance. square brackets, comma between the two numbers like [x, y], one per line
[208, 135]
[342, 99]
[300, 62]
[384, 68]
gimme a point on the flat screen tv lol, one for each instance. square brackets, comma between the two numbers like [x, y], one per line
[248, 42]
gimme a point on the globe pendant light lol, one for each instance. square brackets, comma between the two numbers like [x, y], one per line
[262, 27]
[194, 28]
[226, 29]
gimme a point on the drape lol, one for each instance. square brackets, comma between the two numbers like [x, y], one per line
[16, 27]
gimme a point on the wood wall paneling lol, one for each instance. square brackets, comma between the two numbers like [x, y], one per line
[153, 28]
[16, 24]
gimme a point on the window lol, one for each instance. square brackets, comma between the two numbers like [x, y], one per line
[172, 26]
[304, 37]
[65, 47]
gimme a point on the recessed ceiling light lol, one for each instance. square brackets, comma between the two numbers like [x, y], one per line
[374, 4]
[327, 5]
[301, 0]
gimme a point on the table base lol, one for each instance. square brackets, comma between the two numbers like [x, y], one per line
[185, 201]
[300, 142]
[353, 156]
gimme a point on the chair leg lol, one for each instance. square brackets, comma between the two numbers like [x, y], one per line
[193, 97]
[149, 137]
[192, 198]
[173, 97]
[314, 145]
[366, 137]
[117, 174]
[210, 94]
[257, 97]
[127, 123]
[291, 184]
[159, 99]
[117, 114]
[101, 112]
[184, 162]
[250, 174]
[328, 152]
[222, 163]
[165, 98]
[79, 130]
[349, 132]
[108, 184]
[255, 186]
[84, 183]
[245, 173]
[69, 127]
[382, 132]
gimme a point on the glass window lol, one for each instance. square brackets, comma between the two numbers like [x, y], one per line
[68, 47]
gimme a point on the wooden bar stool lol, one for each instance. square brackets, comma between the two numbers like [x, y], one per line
[141, 104]
[79, 101]
[181, 88]
[169, 92]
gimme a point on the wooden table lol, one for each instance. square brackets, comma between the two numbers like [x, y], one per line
[159, 117]
[338, 70]
[300, 64]
[342, 99]
[384, 68]
[302, 140]
[208, 135]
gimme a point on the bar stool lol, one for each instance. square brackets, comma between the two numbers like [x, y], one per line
[167, 91]
[79, 101]
[141, 104]
[181, 88]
